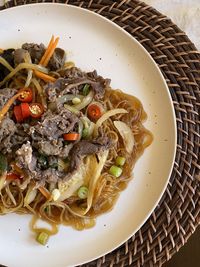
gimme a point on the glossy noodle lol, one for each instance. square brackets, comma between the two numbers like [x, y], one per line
[69, 142]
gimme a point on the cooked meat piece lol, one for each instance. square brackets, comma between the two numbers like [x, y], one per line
[7, 131]
[52, 125]
[49, 148]
[19, 55]
[8, 56]
[74, 85]
[5, 95]
[7, 128]
[73, 72]
[53, 89]
[86, 147]
[36, 51]
[57, 60]
[50, 175]
[25, 158]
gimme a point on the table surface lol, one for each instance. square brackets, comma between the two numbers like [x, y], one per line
[184, 13]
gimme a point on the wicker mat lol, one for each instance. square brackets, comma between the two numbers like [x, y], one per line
[178, 213]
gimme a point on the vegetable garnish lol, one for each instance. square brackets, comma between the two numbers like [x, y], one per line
[25, 108]
[115, 171]
[120, 161]
[42, 238]
[45, 60]
[71, 136]
[18, 114]
[22, 112]
[86, 89]
[36, 110]
[26, 95]
[94, 112]
[12, 176]
[83, 192]
[50, 52]
[45, 77]
[47, 50]
[85, 132]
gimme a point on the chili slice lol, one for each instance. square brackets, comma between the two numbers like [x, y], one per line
[71, 136]
[18, 113]
[26, 95]
[12, 176]
[36, 110]
[94, 112]
[25, 108]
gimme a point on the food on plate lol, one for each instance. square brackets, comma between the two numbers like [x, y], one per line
[68, 141]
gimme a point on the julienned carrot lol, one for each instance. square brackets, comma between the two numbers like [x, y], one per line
[45, 77]
[47, 50]
[8, 104]
[44, 192]
[45, 60]
[50, 52]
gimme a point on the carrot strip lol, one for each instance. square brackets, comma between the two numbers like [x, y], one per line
[50, 52]
[44, 192]
[8, 104]
[45, 77]
[47, 50]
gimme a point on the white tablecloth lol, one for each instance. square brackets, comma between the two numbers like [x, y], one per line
[184, 13]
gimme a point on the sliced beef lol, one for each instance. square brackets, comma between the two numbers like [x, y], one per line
[19, 55]
[9, 57]
[57, 60]
[86, 147]
[73, 72]
[7, 131]
[5, 95]
[53, 148]
[74, 84]
[53, 125]
[36, 51]
[25, 158]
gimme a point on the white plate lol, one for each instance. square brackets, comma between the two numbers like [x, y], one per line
[93, 42]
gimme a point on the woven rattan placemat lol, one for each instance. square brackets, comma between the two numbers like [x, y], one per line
[178, 213]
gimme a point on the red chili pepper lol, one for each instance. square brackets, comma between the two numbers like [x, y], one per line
[18, 113]
[71, 136]
[36, 110]
[25, 108]
[26, 95]
[94, 112]
[12, 176]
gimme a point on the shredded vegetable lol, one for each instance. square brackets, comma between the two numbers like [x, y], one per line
[106, 116]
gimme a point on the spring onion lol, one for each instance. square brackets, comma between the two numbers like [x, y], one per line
[76, 100]
[86, 89]
[83, 192]
[85, 133]
[115, 171]
[120, 161]
[42, 238]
